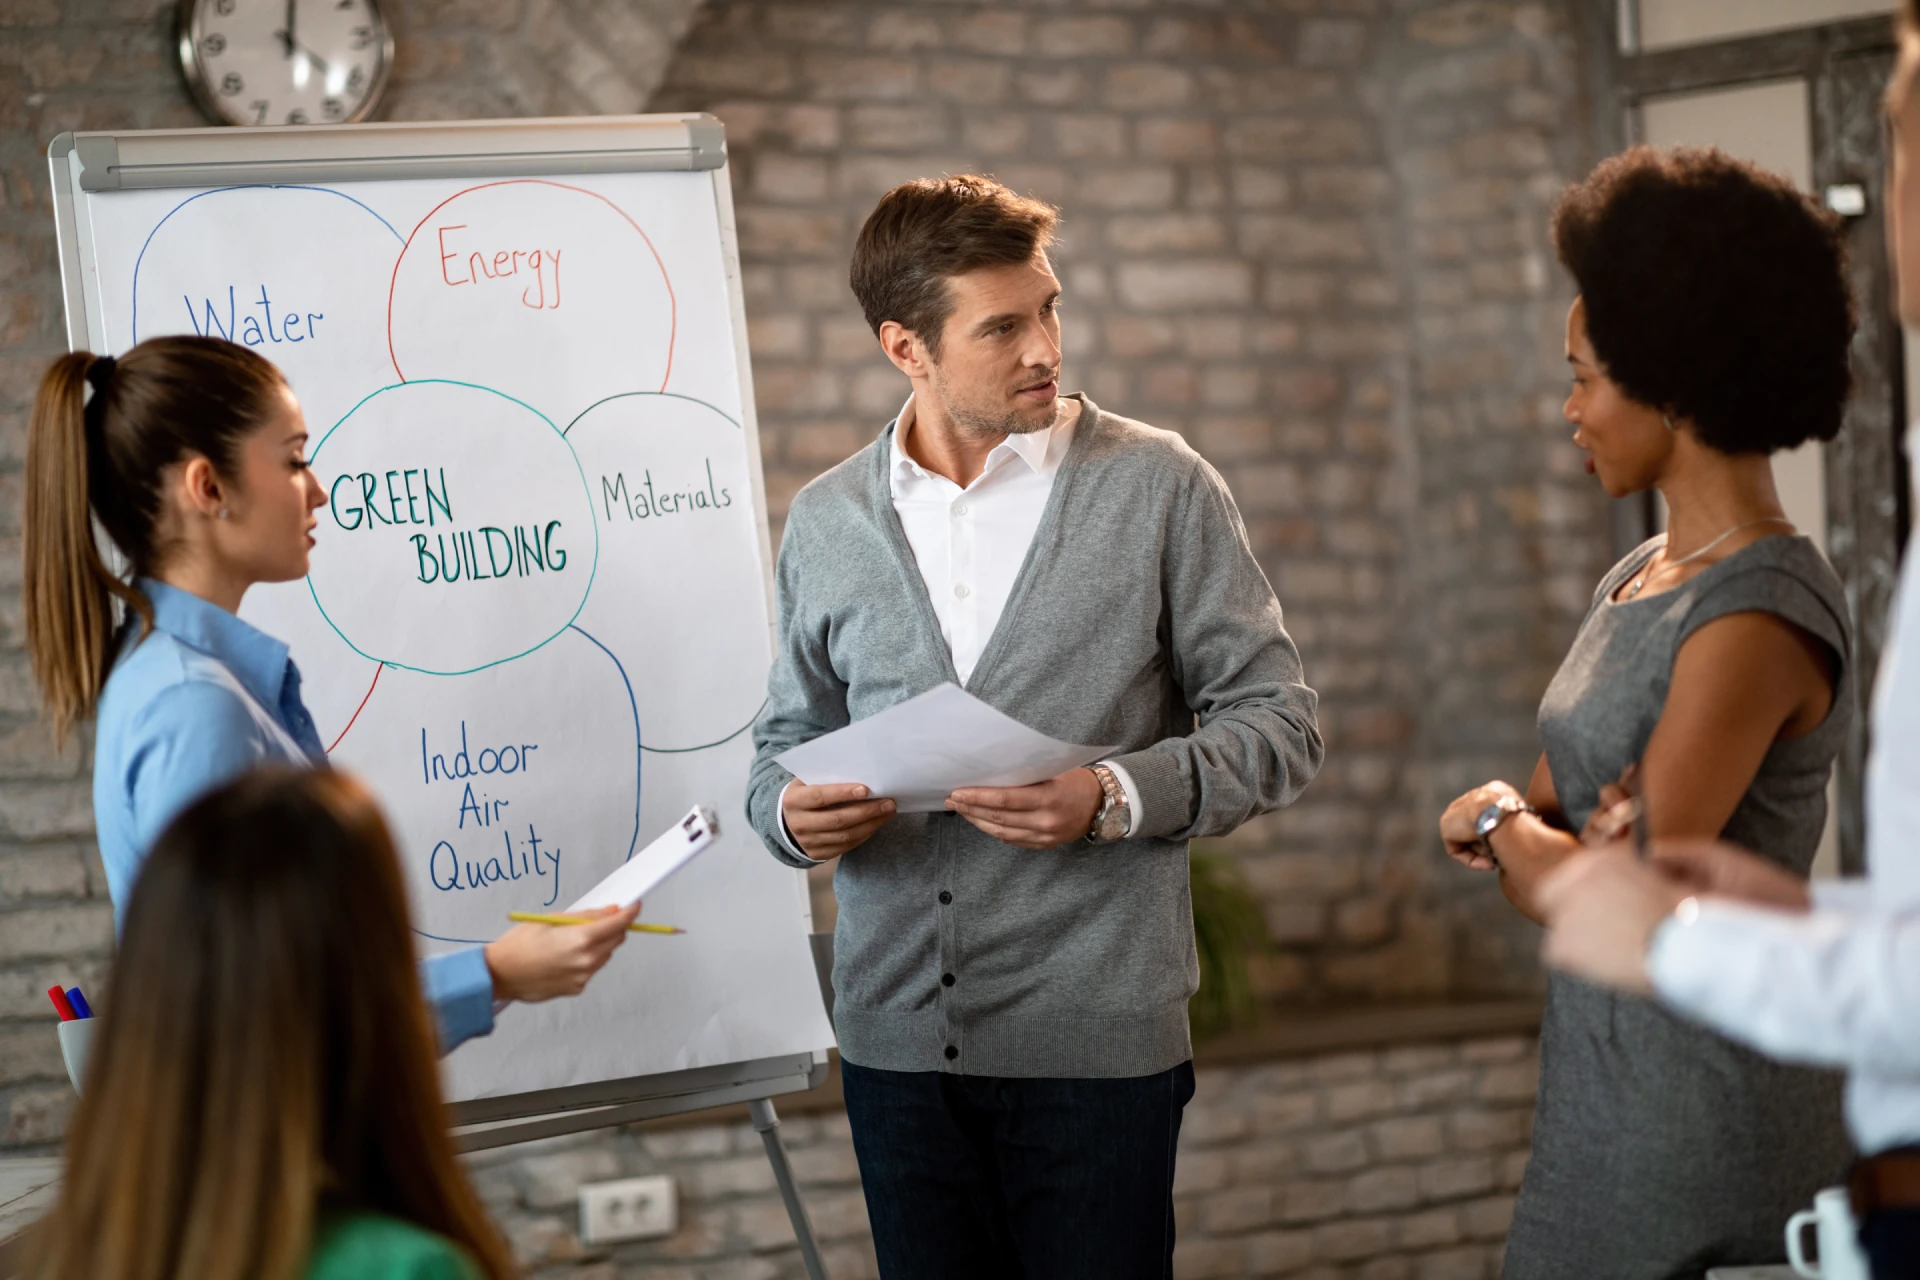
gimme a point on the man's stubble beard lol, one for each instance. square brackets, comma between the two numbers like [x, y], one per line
[976, 423]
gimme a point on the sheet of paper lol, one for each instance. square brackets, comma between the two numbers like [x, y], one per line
[639, 875]
[920, 750]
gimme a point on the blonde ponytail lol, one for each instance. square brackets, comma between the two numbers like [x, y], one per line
[67, 590]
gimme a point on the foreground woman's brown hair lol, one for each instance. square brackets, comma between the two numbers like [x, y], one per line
[265, 1059]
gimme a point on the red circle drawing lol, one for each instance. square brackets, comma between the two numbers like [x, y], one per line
[672, 302]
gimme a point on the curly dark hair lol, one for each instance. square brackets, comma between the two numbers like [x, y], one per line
[1715, 291]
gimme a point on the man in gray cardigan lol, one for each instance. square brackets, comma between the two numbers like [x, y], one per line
[1011, 976]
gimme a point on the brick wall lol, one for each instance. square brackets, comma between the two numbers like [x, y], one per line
[1310, 237]
[1391, 1164]
[1505, 534]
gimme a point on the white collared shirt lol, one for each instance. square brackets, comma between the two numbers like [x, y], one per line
[970, 544]
[1838, 986]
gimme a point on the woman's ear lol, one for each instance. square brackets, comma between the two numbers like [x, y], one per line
[201, 489]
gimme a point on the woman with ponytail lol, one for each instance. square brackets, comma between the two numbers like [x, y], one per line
[190, 453]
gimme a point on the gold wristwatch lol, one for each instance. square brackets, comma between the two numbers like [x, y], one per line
[1115, 814]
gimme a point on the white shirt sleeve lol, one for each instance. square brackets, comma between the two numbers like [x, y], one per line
[786, 836]
[1854, 896]
[1825, 988]
[1135, 805]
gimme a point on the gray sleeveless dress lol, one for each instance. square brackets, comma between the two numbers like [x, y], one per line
[1660, 1149]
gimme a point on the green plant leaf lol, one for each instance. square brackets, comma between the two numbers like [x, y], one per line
[1228, 929]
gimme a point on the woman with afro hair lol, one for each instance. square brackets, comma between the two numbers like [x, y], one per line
[1710, 680]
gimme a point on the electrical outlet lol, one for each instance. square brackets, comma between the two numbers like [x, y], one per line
[631, 1209]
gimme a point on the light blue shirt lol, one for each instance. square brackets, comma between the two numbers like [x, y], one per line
[202, 699]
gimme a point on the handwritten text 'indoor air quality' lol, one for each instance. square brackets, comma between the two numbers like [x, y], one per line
[369, 499]
[482, 814]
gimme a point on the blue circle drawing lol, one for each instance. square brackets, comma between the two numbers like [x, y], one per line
[248, 186]
[639, 772]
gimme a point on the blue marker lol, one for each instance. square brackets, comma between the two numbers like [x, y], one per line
[79, 1002]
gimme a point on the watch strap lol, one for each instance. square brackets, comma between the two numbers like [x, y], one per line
[1113, 798]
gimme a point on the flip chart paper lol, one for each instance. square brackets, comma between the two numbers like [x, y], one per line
[921, 750]
[645, 870]
[537, 618]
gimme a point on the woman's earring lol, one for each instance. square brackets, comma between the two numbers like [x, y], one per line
[223, 513]
[1668, 419]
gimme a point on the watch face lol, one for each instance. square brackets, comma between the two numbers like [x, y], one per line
[285, 61]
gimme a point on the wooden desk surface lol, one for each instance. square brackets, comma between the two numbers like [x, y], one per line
[28, 1185]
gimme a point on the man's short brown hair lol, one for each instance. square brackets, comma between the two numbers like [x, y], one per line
[924, 231]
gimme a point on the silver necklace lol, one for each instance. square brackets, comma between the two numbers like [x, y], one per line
[1646, 574]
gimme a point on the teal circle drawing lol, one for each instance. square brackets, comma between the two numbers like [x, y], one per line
[586, 491]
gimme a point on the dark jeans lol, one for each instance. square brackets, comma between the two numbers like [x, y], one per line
[1891, 1238]
[997, 1178]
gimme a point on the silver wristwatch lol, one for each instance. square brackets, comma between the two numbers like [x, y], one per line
[1494, 815]
[1115, 815]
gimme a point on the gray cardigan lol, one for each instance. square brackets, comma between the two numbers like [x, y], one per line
[1139, 617]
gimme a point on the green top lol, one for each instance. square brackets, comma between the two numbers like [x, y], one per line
[372, 1246]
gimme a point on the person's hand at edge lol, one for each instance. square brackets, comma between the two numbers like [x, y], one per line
[1728, 871]
[535, 962]
[1613, 814]
[827, 821]
[1044, 815]
[1601, 907]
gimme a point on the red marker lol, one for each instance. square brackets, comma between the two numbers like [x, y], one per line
[63, 1005]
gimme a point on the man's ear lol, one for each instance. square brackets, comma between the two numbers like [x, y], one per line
[904, 348]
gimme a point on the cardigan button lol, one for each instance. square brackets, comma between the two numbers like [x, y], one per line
[946, 979]
[945, 898]
[952, 1053]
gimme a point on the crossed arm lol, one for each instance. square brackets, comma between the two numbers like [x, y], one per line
[1739, 683]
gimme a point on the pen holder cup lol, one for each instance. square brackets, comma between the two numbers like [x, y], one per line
[76, 1041]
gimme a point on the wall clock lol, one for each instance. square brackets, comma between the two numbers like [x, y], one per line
[282, 62]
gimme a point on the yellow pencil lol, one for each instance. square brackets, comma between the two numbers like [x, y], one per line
[529, 917]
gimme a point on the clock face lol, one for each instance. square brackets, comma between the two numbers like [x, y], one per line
[285, 61]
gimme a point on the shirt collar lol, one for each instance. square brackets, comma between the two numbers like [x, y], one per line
[1031, 448]
[258, 660]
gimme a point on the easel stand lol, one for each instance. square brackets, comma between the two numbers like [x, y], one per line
[498, 1122]
[768, 1125]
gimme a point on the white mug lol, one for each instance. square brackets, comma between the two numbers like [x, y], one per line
[1839, 1236]
[76, 1041]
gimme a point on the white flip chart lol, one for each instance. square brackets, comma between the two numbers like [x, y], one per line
[537, 618]
[919, 751]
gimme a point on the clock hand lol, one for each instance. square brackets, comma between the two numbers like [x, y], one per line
[287, 35]
[316, 59]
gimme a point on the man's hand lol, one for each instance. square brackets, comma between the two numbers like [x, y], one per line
[1601, 907]
[830, 820]
[1045, 815]
[535, 962]
[1727, 871]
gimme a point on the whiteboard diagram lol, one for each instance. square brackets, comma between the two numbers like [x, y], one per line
[537, 617]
